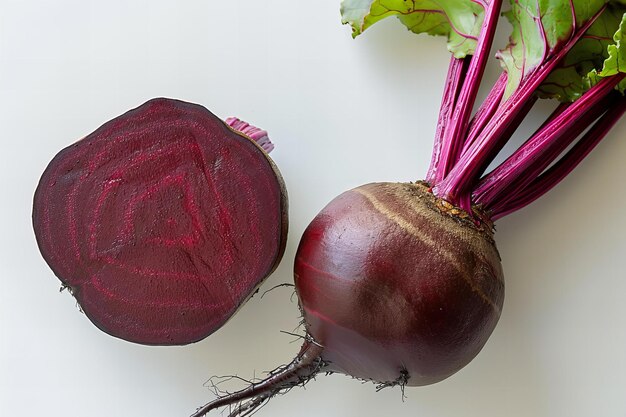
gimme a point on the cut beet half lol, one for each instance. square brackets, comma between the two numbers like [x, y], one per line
[162, 222]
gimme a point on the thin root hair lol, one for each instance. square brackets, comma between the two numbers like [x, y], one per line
[284, 284]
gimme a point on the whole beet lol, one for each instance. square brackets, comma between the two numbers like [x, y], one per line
[397, 285]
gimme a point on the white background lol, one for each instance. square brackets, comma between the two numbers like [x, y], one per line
[342, 112]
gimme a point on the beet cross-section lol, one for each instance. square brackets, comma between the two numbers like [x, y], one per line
[162, 222]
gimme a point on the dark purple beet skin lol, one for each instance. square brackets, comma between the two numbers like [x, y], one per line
[162, 222]
[397, 286]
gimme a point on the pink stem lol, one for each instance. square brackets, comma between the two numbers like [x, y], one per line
[540, 150]
[486, 111]
[462, 178]
[557, 172]
[257, 135]
[465, 200]
[456, 133]
[454, 81]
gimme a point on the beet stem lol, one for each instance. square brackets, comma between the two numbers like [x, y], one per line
[486, 111]
[534, 156]
[456, 133]
[557, 172]
[305, 366]
[454, 81]
[467, 170]
[258, 135]
[465, 200]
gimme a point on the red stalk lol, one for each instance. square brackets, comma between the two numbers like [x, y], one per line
[557, 172]
[455, 134]
[465, 200]
[544, 146]
[486, 111]
[454, 81]
[488, 144]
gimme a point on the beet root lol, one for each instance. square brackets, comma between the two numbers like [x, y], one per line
[162, 222]
[396, 287]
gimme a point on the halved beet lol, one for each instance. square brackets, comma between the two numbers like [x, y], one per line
[162, 222]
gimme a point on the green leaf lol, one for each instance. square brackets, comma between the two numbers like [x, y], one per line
[570, 80]
[540, 29]
[615, 61]
[459, 20]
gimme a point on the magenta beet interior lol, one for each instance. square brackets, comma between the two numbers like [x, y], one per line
[162, 222]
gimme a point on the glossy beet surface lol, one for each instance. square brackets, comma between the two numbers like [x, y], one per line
[162, 222]
[396, 286]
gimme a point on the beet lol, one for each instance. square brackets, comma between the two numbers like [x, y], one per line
[401, 284]
[396, 286]
[162, 222]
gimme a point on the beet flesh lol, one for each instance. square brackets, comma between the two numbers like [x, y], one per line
[162, 222]
[396, 286]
